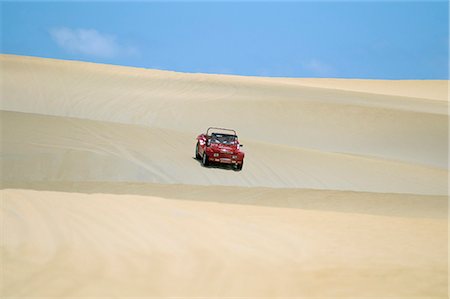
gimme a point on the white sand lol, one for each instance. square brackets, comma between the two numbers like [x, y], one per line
[343, 191]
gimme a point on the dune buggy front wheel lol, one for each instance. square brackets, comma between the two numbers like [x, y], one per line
[205, 161]
[197, 155]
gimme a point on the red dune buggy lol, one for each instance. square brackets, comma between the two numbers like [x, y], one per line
[219, 145]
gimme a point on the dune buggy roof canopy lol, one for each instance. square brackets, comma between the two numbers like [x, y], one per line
[221, 129]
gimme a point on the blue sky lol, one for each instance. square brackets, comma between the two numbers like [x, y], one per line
[354, 39]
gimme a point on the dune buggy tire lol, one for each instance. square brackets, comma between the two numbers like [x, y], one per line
[238, 167]
[197, 155]
[205, 161]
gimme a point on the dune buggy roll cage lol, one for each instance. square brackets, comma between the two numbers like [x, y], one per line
[214, 128]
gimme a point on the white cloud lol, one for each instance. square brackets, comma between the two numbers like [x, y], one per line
[318, 67]
[90, 42]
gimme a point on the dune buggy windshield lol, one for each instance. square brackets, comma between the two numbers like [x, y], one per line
[223, 138]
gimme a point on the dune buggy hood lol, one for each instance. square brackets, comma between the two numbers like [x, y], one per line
[224, 147]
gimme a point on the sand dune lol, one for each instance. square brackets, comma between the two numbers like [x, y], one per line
[49, 148]
[130, 245]
[273, 111]
[343, 191]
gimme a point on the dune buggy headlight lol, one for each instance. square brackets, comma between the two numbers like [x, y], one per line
[234, 157]
[216, 154]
